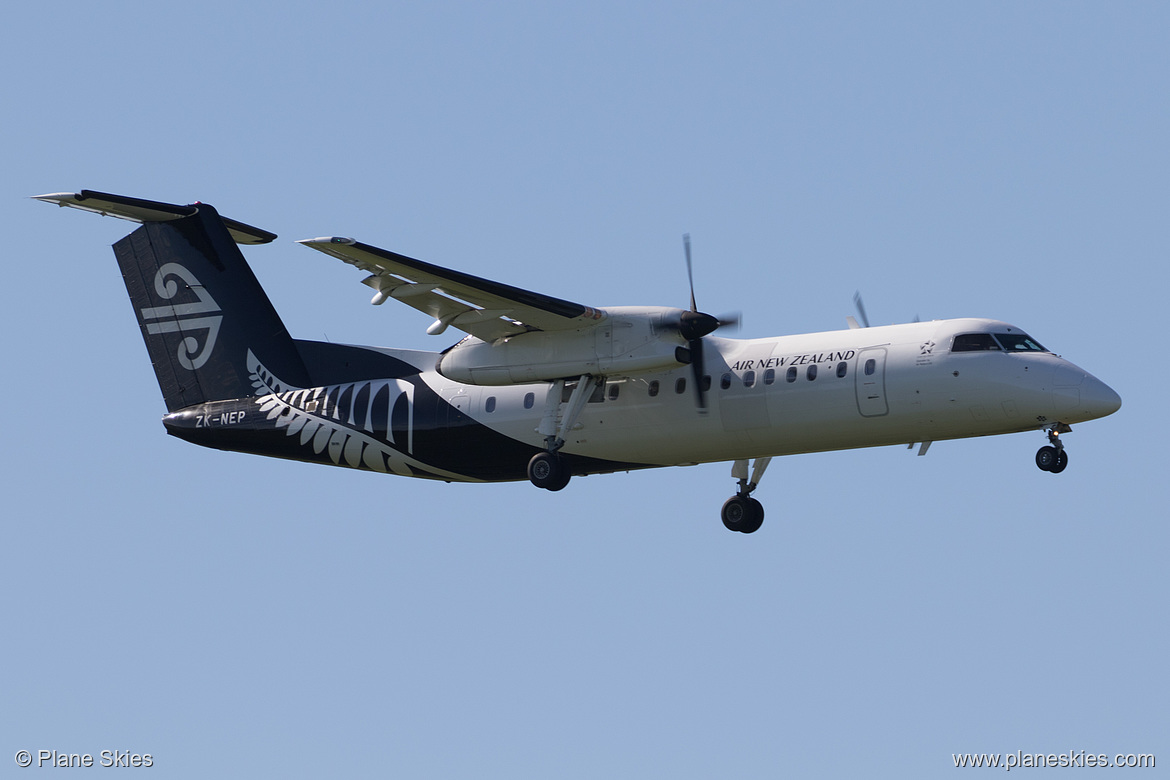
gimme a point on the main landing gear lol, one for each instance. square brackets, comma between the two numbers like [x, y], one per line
[741, 512]
[550, 469]
[1053, 458]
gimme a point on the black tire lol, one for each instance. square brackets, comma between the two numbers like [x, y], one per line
[564, 474]
[1061, 462]
[542, 469]
[735, 509]
[755, 517]
[742, 514]
[549, 471]
[1046, 458]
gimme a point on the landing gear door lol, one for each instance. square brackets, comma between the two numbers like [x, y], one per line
[871, 382]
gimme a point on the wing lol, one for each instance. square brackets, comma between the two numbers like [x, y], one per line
[487, 310]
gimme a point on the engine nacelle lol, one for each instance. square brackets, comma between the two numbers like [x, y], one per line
[618, 345]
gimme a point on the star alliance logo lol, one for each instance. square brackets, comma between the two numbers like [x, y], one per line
[927, 348]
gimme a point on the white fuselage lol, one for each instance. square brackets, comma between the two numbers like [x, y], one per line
[862, 387]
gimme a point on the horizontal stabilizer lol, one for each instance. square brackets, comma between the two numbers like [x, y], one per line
[139, 210]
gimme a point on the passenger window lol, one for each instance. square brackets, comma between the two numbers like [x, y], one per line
[489, 405]
[841, 369]
[706, 383]
[769, 376]
[680, 386]
[870, 367]
[654, 388]
[749, 378]
[614, 390]
[529, 400]
[812, 372]
[791, 376]
[974, 342]
[725, 382]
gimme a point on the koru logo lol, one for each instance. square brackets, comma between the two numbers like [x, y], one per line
[203, 315]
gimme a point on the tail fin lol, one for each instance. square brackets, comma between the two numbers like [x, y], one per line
[198, 303]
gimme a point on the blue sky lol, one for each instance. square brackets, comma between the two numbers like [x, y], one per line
[239, 616]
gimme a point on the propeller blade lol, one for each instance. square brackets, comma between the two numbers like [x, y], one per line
[732, 321]
[696, 347]
[693, 325]
[690, 272]
[860, 309]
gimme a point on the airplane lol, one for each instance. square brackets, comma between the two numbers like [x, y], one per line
[544, 389]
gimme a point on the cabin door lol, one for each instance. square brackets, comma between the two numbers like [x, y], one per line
[871, 382]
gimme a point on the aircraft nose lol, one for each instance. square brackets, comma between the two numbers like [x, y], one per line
[1097, 398]
[1078, 395]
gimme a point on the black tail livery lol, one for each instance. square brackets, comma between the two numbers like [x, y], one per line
[200, 307]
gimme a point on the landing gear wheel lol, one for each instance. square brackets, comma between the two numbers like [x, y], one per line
[564, 474]
[733, 512]
[743, 514]
[1061, 462]
[1047, 459]
[756, 516]
[549, 470]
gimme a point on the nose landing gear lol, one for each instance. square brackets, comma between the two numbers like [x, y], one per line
[741, 512]
[1053, 458]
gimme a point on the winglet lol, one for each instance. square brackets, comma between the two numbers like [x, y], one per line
[139, 210]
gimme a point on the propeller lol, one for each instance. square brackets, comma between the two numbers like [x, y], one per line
[861, 308]
[694, 325]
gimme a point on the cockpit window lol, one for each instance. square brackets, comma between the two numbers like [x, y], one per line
[1018, 342]
[974, 342]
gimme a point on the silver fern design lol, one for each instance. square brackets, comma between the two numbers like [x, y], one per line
[359, 424]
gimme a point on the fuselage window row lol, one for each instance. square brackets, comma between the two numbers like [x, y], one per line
[680, 386]
[749, 378]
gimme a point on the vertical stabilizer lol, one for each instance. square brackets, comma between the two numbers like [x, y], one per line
[201, 310]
